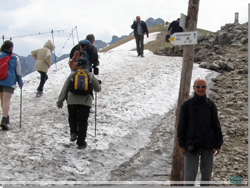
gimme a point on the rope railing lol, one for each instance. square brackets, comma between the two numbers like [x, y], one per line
[49, 32]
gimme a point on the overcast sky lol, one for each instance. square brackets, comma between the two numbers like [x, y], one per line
[103, 18]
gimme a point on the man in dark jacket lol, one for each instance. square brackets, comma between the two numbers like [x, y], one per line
[90, 52]
[199, 133]
[175, 27]
[140, 28]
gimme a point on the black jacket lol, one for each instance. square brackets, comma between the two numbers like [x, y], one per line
[144, 27]
[199, 124]
[175, 27]
[92, 52]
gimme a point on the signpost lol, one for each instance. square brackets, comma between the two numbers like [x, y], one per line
[183, 19]
[186, 74]
[184, 38]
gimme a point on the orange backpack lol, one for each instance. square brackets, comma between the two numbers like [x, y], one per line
[72, 62]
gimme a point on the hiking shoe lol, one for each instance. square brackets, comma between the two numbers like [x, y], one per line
[39, 93]
[142, 55]
[73, 137]
[83, 146]
[4, 123]
[8, 119]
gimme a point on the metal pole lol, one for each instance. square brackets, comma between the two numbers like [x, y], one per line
[54, 45]
[73, 37]
[95, 110]
[21, 101]
[77, 34]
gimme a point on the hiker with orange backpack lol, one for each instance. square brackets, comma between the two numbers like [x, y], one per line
[10, 73]
[87, 50]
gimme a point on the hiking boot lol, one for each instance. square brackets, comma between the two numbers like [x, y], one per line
[83, 146]
[73, 137]
[4, 123]
[8, 119]
[39, 93]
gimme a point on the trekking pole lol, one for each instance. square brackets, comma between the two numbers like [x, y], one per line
[21, 100]
[95, 110]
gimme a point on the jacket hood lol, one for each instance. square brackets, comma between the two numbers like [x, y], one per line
[49, 45]
[84, 42]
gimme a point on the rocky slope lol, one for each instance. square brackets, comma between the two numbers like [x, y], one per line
[226, 53]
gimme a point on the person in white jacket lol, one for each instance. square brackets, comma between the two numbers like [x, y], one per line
[43, 61]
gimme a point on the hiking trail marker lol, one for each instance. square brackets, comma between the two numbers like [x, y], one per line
[184, 38]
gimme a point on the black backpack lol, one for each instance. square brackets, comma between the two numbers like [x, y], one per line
[80, 83]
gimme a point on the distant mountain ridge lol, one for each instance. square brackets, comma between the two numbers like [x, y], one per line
[27, 63]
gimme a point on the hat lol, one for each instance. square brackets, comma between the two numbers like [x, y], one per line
[81, 62]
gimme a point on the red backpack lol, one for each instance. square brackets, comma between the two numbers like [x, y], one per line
[4, 67]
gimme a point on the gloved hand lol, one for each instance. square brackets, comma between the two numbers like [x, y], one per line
[100, 82]
[96, 70]
[59, 105]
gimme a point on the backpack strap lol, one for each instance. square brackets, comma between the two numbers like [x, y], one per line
[81, 49]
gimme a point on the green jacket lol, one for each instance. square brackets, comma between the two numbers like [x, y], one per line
[74, 98]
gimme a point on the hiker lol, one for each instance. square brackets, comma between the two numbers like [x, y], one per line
[199, 133]
[174, 27]
[8, 85]
[43, 62]
[85, 48]
[140, 28]
[79, 104]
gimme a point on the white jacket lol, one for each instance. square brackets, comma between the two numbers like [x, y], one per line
[43, 56]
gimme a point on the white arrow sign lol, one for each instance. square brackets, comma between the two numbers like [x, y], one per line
[184, 38]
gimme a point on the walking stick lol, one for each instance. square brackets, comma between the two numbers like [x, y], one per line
[21, 99]
[95, 110]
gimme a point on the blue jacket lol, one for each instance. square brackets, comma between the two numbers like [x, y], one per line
[91, 52]
[14, 71]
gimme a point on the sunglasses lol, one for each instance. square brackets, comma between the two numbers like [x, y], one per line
[198, 87]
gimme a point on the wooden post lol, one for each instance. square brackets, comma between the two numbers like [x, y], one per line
[186, 75]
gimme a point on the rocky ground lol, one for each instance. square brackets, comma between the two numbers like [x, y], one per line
[227, 54]
[224, 52]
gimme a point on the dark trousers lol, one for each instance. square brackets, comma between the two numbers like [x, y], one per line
[43, 79]
[139, 44]
[78, 121]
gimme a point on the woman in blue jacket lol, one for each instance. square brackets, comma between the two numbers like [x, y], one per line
[8, 85]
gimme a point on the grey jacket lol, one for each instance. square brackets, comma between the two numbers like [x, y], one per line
[74, 98]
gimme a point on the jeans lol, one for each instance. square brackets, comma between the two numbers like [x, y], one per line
[191, 162]
[78, 121]
[43, 79]
[139, 44]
